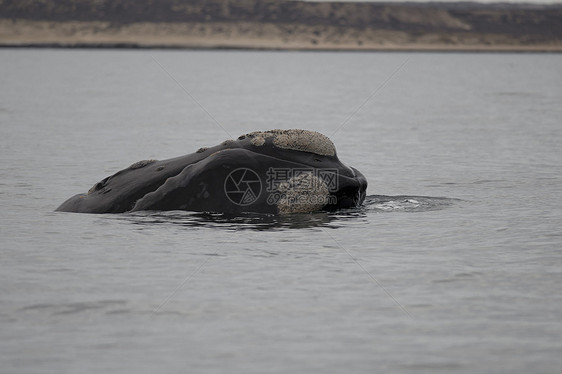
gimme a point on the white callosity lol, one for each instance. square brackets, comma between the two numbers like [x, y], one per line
[297, 140]
[302, 194]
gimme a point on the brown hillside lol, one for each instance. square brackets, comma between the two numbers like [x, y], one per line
[280, 24]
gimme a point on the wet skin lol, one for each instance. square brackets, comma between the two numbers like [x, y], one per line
[198, 181]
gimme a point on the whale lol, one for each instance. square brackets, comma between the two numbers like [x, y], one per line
[272, 172]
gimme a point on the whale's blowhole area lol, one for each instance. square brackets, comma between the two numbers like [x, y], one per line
[258, 141]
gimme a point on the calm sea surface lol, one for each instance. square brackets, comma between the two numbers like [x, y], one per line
[453, 265]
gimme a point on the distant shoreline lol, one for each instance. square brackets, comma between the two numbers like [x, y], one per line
[281, 25]
[249, 36]
[418, 49]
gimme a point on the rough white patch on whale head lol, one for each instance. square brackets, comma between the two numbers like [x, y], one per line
[298, 140]
[141, 164]
[258, 141]
[303, 193]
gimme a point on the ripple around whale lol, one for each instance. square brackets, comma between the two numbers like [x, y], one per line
[404, 203]
[374, 204]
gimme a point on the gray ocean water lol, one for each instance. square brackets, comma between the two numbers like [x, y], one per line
[452, 265]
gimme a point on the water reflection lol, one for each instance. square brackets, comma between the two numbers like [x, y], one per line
[249, 221]
[261, 222]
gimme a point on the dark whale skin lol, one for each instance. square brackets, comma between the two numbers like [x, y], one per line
[196, 182]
